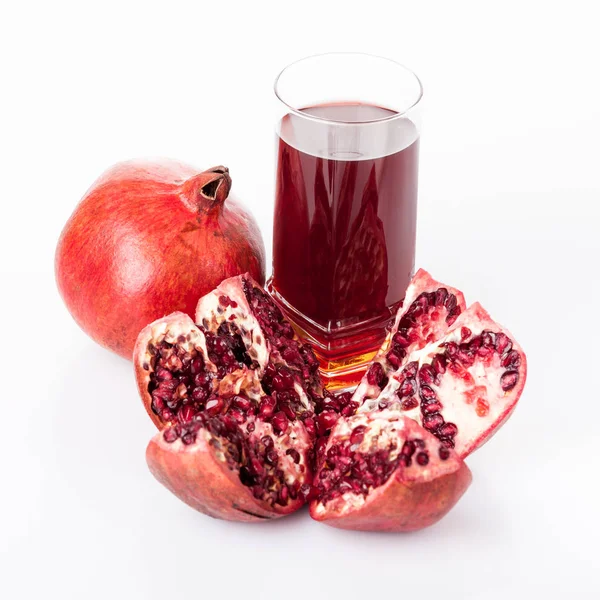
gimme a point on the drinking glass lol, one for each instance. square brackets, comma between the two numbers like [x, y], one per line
[346, 203]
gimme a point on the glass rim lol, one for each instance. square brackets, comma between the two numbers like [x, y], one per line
[398, 115]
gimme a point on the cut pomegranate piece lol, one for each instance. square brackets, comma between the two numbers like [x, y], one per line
[428, 311]
[234, 395]
[381, 471]
[233, 471]
[240, 303]
[177, 374]
[464, 386]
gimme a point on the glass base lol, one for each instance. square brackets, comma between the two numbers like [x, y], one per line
[344, 350]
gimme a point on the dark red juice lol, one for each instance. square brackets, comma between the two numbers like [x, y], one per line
[344, 226]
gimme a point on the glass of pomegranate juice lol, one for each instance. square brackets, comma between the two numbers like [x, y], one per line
[345, 203]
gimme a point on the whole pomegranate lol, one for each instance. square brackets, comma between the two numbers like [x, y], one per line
[147, 239]
[248, 433]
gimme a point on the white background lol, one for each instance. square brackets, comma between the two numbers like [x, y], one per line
[508, 212]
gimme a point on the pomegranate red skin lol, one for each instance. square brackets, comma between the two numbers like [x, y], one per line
[402, 506]
[196, 476]
[149, 238]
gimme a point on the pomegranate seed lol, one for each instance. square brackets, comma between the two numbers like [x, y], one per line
[280, 422]
[170, 435]
[482, 408]
[426, 374]
[309, 424]
[406, 389]
[394, 359]
[173, 403]
[186, 413]
[444, 453]
[400, 340]
[238, 415]
[439, 364]
[214, 406]
[267, 407]
[503, 343]
[465, 333]
[242, 403]
[485, 351]
[197, 365]
[376, 375]
[283, 495]
[344, 398]
[230, 422]
[465, 358]
[271, 457]
[358, 434]
[450, 302]
[453, 315]
[408, 449]
[289, 411]
[283, 380]
[451, 350]
[409, 403]
[349, 409]
[433, 421]
[224, 300]
[440, 296]
[487, 339]
[294, 490]
[325, 421]
[157, 404]
[267, 441]
[163, 374]
[422, 458]
[448, 430]
[410, 371]
[202, 379]
[199, 394]
[427, 394]
[428, 409]
[294, 454]
[189, 438]
[509, 380]
[512, 360]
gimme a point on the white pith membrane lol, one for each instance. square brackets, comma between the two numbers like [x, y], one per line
[386, 431]
[471, 397]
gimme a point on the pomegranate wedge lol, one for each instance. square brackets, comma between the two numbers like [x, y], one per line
[461, 388]
[383, 472]
[238, 472]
